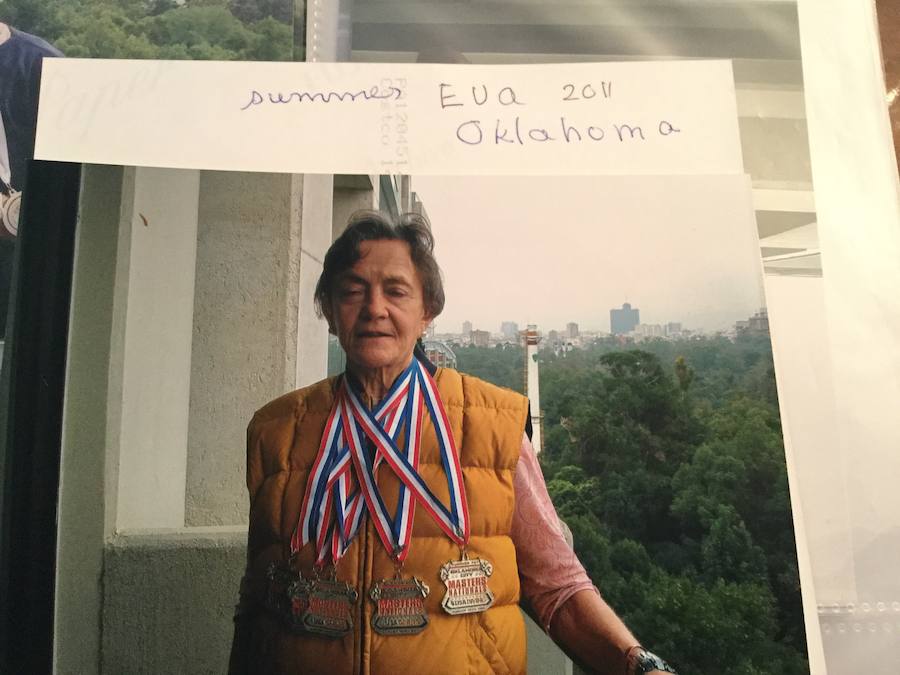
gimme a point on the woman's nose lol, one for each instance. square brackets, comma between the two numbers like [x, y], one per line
[376, 304]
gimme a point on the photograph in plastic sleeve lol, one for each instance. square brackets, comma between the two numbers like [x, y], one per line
[150, 467]
[630, 311]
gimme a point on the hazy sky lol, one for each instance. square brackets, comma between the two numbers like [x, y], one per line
[553, 250]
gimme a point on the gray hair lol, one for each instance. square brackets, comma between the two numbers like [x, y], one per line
[412, 228]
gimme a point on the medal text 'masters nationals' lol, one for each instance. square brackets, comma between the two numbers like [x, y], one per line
[467, 587]
[399, 606]
[329, 610]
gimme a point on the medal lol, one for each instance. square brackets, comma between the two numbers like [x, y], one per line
[329, 608]
[298, 603]
[286, 595]
[399, 606]
[467, 585]
[342, 488]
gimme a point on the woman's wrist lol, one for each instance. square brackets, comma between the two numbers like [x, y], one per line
[639, 661]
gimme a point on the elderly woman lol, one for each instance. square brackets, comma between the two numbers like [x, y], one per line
[398, 515]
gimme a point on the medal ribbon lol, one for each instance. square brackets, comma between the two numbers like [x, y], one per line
[455, 521]
[332, 508]
[336, 498]
[347, 505]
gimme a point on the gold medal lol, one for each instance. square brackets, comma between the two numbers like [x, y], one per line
[399, 606]
[467, 585]
[329, 608]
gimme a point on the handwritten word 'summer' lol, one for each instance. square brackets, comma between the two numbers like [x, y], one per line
[283, 97]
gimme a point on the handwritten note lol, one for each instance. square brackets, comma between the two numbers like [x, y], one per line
[663, 117]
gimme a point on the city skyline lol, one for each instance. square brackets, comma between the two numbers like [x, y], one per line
[688, 253]
[510, 328]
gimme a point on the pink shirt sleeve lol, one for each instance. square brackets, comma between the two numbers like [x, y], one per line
[549, 570]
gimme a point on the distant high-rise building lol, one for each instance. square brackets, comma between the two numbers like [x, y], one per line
[572, 329]
[510, 330]
[480, 338]
[553, 336]
[467, 328]
[649, 330]
[757, 324]
[624, 320]
[673, 328]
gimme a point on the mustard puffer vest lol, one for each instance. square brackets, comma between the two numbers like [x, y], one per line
[283, 439]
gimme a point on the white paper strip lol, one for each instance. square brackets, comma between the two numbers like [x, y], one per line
[671, 117]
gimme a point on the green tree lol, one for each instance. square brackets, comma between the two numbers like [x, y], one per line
[500, 365]
[728, 551]
[166, 29]
[101, 30]
[667, 462]
[251, 11]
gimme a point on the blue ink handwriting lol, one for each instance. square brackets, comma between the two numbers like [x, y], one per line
[515, 132]
[281, 97]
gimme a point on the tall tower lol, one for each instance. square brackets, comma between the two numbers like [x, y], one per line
[532, 388]
[624, 320]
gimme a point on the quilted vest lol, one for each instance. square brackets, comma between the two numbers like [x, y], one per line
[487, 423]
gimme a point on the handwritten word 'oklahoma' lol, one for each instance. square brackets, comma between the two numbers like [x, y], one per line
[514, 130]
[282, 97]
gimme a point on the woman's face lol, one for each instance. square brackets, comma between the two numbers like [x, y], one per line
[378, 309]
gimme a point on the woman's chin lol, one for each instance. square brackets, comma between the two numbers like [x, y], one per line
[376, 359]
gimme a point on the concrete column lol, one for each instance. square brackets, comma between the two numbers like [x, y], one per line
[312, 351]
[261, 238]
[151, 349]
[352, 193]
[83, 468]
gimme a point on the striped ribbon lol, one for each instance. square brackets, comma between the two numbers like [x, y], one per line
[332, 506]
[337, 498]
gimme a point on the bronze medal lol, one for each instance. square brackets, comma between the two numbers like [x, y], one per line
[298, 603]
[287, 595]
[329, 608]
[399, 606]
[467, 585]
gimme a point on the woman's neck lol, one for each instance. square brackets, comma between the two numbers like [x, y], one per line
[375, 382]
[5, 33]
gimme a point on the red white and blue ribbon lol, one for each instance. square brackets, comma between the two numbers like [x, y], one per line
[332, 506]
[338, 497]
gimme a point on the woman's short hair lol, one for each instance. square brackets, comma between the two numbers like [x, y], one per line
[412, 228]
